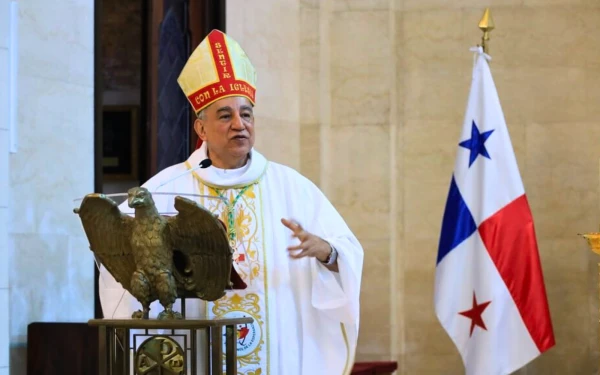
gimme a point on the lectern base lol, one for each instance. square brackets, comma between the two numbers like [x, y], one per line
[167, 347]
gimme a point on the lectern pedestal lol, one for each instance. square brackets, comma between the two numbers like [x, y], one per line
[163, 353]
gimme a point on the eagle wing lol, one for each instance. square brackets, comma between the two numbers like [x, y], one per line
[202, 255]
[109, 231]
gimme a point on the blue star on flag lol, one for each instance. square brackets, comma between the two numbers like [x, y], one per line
[476, 144]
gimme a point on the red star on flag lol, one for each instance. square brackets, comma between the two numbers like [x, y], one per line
[475, 314]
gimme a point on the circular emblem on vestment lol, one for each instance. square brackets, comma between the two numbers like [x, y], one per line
[159, 355]
[249, 335]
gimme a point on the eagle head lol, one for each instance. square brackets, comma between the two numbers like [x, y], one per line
[139, 197]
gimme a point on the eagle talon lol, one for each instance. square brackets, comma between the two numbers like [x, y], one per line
[169, 314]
[138, 315]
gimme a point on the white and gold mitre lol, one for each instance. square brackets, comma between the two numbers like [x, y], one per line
[217, 68]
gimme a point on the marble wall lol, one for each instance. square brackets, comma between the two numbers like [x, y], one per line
[384, 83]
[4, 175]
[279, 116]
[50, 267]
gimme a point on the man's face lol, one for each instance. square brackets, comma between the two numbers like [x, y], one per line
[228, 128]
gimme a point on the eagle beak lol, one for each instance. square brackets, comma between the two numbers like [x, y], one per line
[134, 202]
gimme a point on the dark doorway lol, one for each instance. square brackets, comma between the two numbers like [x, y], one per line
[174, 28]
[143, 122]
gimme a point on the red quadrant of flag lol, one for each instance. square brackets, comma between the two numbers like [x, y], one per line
[509, 236]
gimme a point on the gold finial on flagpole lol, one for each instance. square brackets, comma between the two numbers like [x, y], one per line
[486, 25]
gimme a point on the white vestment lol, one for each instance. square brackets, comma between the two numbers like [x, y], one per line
[306, 316]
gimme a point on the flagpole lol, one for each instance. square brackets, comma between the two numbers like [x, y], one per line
[486, 24]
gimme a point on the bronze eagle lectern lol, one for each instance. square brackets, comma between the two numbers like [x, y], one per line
[159, 257]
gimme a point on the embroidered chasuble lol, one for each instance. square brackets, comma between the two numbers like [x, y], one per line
[306, 317]
[241, 211]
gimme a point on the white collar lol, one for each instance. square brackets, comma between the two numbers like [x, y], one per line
[251, 172]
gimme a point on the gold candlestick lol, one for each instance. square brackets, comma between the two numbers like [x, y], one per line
[593, 240]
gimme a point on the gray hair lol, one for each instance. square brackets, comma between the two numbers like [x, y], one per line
[201, 115]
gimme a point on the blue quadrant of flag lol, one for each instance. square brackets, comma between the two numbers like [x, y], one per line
[458, 223]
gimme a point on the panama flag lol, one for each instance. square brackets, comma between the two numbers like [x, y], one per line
[489, 287]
